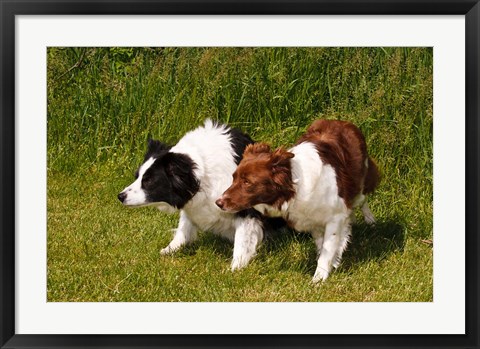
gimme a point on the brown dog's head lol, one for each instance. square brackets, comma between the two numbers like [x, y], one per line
[262, 177]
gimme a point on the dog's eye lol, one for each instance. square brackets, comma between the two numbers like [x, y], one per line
[246, 182]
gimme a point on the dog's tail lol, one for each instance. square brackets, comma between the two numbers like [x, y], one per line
[372, 179]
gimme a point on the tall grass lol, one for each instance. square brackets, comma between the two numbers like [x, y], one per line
[116, 101]
[104, 103]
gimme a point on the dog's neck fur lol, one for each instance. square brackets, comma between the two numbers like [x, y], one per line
[272, 211]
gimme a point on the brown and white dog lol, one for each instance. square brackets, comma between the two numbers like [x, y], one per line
[314, 186]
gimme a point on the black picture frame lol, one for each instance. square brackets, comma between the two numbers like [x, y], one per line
[10, 8]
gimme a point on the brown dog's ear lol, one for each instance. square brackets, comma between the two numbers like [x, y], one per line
[257, 148]
[280, 158]
[282, 175]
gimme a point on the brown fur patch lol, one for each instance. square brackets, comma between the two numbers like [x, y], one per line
[373, 177]
[256, 148]
[342, 145]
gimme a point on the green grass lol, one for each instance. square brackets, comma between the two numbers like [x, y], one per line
[104, 103]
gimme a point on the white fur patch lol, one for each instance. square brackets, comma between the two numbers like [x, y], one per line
[135, 196]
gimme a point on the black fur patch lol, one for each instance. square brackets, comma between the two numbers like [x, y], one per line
[249, 212]
[239, 141]
[171, 178]
[156, 149]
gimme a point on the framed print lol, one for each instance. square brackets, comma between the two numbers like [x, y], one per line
[314, 164]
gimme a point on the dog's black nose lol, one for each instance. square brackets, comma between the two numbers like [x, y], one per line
[220, 203]
[122, 197]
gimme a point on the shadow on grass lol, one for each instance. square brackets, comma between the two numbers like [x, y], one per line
[223, 247]
[373, 243]
[216, 244]
[368, 243]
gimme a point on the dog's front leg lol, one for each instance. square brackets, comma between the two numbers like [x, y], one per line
[344, 240]
[331, 244]
[248, 234]
[185, 233]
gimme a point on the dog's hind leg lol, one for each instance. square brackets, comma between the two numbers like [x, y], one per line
[185, 233]
[367, 214]
[361, 201]
[248, 234]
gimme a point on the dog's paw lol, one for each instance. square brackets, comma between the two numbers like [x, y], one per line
[166, 251]
[368, 215]
[238, 263]
[320, 275]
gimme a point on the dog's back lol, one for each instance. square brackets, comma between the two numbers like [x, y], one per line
[342, 145]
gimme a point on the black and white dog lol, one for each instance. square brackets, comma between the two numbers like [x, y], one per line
[189, 177]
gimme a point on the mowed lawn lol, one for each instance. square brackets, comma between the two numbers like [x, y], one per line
[103, 105]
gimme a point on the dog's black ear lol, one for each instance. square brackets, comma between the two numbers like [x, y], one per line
[178, 164]
[155, 148]
[155, 145]
[180, 170]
